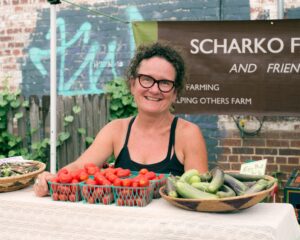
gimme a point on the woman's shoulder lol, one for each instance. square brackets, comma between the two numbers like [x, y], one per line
[119, 123]
[186, 128]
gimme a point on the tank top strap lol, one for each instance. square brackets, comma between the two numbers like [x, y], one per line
[128, 131]
[172, 137]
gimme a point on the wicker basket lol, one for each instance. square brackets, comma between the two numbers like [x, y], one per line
[229, 204]
[8, 184]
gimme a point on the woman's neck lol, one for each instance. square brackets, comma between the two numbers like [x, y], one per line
[148, 122]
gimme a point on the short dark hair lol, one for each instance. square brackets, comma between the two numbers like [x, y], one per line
[165, 51]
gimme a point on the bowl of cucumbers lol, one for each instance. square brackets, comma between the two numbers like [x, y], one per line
[15, 175]
[217, 190]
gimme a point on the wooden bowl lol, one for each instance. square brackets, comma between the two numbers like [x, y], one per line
[219, 205]
[8, 184]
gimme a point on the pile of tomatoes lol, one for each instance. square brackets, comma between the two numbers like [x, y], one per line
[105, 185]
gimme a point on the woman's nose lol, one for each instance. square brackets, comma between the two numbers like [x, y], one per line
[155, 88]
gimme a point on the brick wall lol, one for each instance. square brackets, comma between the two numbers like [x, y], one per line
[280, 148]
[24, 25]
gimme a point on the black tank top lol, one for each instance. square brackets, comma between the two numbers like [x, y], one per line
[168, 165]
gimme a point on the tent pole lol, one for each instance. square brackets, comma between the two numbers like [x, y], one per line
[53, 89]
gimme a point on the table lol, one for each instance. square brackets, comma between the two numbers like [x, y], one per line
[25, 216]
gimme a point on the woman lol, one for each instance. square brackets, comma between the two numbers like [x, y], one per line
[155, 139]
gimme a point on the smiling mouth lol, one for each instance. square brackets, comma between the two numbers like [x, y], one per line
[153, 99]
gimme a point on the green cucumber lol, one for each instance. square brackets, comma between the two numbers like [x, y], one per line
[260, 185]
[170, 186]
[205, 177]
[185, 177]
[225, 191]
[217, 180]
[187, 191]
[203, 186]
[239, 187]
[246, 177]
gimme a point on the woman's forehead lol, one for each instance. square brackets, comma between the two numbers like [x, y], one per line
[157, 67]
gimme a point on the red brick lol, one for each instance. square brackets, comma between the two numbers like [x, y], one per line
[225, 166]
[272, 167]
[230, 142]
[288, 168]
[29, 30]
[266, 151]
[277, 143]
[295, 143]
[235, 166]
[289, 135]
[233, 158]
[10, 67]
[16, 52]
[281, 160]
[225, 150]
[293, 160]
[222, 158]
[269, 159]
[245, 158]
[6, 38]
[257, 158]
[242, 150]
[18, 9]
[13, 30]
[254, 142]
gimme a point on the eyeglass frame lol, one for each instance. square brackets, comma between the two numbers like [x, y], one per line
[155, 81]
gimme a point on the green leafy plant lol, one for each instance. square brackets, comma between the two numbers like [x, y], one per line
[121, 101]
[11, 145]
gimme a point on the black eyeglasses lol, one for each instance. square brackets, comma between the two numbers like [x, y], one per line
[148, 81]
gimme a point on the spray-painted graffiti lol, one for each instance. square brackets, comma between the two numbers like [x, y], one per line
[83, 60]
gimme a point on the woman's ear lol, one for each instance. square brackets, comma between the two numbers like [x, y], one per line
[174, 97]
[132, 84]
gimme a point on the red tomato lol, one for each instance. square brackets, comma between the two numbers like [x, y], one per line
[91, 200]
[111, 177]
[90, 181]
[126, 182]
[85, 192]
[120, 202]
[150, 175]
[62, 170]
[72, 198]
[144, 182]
[140, 202]
[55, 196]
[123, 173]
[161, 176]
[62, 197]
[135, 184]
[75, 174]
[107, 199]
[92, 170]
[83, 176]
[117, 182]
[98, 177]
[98, 194]
[143, 171]
[65, 178]
[89, 164]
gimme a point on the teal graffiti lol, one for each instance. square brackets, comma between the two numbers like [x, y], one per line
[133, 14]
[38, 56]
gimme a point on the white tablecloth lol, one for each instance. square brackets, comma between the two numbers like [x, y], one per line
[25, 216]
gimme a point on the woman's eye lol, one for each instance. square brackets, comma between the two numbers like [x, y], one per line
[166, 83]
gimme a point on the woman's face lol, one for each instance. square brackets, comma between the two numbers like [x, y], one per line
[152, 100]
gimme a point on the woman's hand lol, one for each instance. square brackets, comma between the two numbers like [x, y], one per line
[40, 186]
